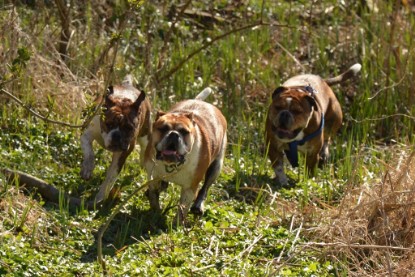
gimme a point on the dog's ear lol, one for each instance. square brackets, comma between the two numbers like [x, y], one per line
[189, 116]
[312, 101]
[140, 99]
[110, 90]
[278, 91]
[108, 100]
[160, 114]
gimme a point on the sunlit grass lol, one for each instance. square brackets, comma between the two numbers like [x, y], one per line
[251, 225]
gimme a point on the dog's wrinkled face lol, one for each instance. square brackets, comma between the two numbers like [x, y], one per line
[119, 122]
[173, 136]
[290, 111]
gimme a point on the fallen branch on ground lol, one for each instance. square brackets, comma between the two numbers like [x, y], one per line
[47, 191]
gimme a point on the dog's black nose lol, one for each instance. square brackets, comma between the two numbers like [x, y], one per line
[173, 136]
[116, 136]
[173, 141]
[285, 119]
[118, 142]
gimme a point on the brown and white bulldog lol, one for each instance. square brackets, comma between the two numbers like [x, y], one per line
[125, 118]
[303, 116]
[188, 144]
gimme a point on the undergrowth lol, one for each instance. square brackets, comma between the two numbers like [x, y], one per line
[353, 218]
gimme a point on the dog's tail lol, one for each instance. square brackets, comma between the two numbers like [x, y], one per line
[128, 80]
[204, 94]
[351, 72]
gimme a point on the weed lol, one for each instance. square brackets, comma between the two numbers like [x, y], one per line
[251, 227]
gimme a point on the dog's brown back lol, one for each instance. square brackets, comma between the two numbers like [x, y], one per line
[208, 116]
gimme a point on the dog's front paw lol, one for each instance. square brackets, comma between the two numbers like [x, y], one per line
[196, 210]
[86, 169]
[281, 179]
[281, 182]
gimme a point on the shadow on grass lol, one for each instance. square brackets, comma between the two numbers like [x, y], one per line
[125, 229]
[128, 228]
[252, 185]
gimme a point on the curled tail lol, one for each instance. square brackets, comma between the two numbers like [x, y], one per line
[351, 72]
[204, 94]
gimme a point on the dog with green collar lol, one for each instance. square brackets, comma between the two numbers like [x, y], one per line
[303, 116]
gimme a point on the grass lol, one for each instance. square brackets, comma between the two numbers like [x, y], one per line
[251, 227]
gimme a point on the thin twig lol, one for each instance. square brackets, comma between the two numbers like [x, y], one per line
[239, 256]
[297, 235]
[249, 248]
[17, 100]
[291, 56]
[203, 268]
[286, 241]
[358, 246]
[115, 44]
[386, 88]
[383, 117]
[168, 35]
[262, 11]
[64, 15]
[209, 43]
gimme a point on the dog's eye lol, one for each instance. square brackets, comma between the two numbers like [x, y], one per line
[296, 111]
[183, 132]
[163, 128]
[113, 126]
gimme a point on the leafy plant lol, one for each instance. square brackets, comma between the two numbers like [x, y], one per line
[242, 50]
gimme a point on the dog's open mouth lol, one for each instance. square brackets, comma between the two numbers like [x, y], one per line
[285, 133]
[170, 156]
[117, 147]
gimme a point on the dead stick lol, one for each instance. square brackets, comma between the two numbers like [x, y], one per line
[47, 191]
[362, 246]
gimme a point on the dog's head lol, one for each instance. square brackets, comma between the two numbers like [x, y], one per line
[173, 136]
[120, 117]
[290, 111]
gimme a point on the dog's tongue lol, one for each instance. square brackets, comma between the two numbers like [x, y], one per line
[285, 132]
[168, 152]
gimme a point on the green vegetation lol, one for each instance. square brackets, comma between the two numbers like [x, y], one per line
[355, 217]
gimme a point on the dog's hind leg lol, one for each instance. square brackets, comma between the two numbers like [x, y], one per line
[324, 155]
[211, 175]
[333, 123]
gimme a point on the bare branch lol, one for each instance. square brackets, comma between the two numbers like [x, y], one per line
[209, 43]
[30, 110]
[291, 56]
[65, 32]
[168, 35]
[360, 246]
